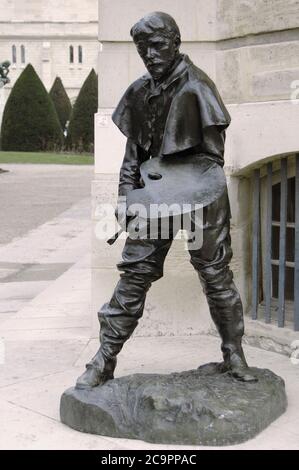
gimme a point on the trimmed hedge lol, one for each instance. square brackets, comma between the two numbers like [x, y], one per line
[80, 136]
[61, 102]
[30, 122]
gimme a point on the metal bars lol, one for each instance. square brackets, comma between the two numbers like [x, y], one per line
[255, 243]
[296, 270]
[268, 246]
[282, 241]
[287, 202]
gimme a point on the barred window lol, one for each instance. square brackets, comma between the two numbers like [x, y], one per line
[275, 242]
[289, 239]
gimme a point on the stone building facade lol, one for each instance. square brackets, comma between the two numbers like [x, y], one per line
[251, 50]
[57, 38]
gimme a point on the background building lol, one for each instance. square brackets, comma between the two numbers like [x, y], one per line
[251, 50]
[57, 38]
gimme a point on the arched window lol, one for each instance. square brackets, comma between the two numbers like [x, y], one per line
[80, 54]
[14, 54]
[71, 54]
[23, 54]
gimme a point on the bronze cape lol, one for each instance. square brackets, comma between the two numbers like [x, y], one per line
[196, 105]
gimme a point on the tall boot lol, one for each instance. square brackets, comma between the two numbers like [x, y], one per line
[235, 362]
[114, 332]
[231, 332]
[98, 371]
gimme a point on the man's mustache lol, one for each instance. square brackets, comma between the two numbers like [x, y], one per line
[150, 63]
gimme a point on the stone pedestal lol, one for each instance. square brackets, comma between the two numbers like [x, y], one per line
[196, 407]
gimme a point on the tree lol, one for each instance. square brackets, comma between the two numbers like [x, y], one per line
[81, 128]
[30, 121]
[61, 102]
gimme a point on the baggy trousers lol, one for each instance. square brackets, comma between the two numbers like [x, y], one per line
[142, 264]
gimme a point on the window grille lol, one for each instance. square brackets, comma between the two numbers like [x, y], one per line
[275, 267]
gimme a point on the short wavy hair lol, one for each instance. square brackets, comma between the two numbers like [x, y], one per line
[153, 23]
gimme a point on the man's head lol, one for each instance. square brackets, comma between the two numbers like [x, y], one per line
[157, 38]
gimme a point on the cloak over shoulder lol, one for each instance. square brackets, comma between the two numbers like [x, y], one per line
[195, 106]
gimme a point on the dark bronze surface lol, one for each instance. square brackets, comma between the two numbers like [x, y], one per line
[181, 183]
[194, 407]
[176, 115]
[168, 116]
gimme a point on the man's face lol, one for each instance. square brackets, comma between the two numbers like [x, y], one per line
[158, 54]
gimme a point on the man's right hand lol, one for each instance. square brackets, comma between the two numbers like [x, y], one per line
[121, 217]
[121, 213]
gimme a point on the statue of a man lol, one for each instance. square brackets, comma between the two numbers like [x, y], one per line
[4, 69]
[173, 110]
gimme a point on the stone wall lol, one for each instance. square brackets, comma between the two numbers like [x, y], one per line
[48, 10]
[239, 18]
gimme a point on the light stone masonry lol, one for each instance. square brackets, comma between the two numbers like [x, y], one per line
[47, 29]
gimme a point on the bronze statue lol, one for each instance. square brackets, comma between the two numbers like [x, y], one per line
[4, 70]
[173, 112]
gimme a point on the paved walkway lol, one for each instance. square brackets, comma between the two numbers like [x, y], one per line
[34, 253]
[30, 263]
[31, 195]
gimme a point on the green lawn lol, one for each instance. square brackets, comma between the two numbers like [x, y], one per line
[40, 157]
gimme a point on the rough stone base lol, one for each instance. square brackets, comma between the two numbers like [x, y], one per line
[196, 407]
